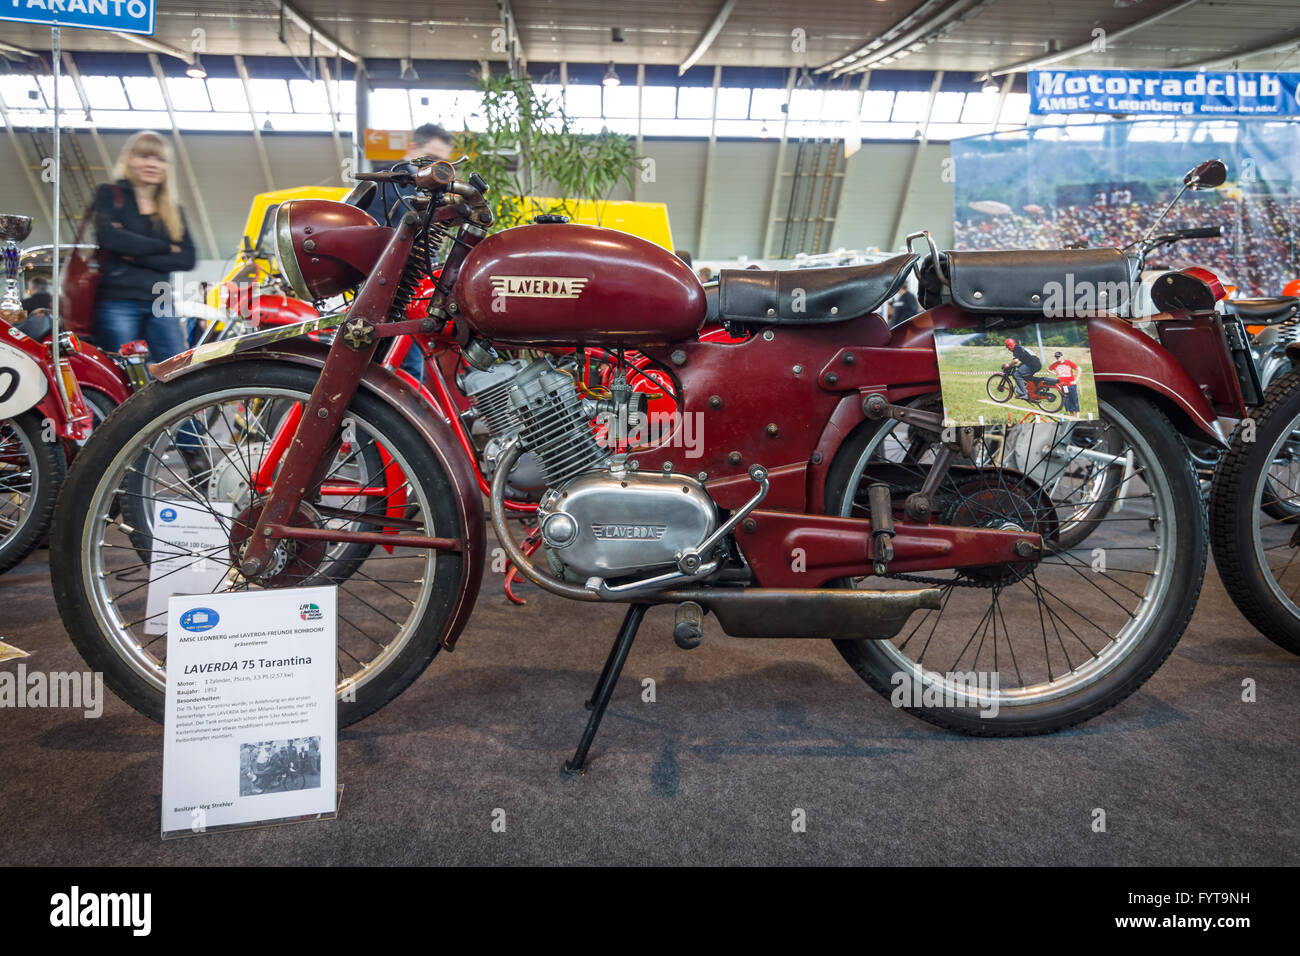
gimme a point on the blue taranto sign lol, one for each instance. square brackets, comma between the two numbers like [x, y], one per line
[1165, 92]
[128, 16]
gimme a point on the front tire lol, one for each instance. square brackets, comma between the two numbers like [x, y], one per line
[999, 389]
[1040, 673]
[393, 607]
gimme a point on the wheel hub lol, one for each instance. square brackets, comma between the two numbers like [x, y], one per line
[228, 480]
[291, 563]
[1011, 502]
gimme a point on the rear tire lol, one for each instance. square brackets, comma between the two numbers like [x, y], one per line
[1118, 669]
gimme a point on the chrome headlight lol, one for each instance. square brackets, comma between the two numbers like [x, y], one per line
[286, 256]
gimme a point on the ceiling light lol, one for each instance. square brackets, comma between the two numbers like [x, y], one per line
[990, 86]
[805, 80]
[616, 35]
[196, 69]
[408, 70]
[611, 76]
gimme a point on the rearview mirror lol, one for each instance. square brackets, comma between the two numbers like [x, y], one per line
[1210, 174]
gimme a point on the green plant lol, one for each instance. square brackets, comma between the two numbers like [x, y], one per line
[528, 147]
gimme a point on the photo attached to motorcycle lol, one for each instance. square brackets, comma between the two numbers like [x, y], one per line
[1031, 373]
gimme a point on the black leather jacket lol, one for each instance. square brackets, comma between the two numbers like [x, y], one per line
[138, 250]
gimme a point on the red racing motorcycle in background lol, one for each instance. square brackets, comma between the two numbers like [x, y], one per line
[47, 407]
[804, 485]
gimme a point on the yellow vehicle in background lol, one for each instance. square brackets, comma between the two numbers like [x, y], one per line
[649, 220]
[254, 263]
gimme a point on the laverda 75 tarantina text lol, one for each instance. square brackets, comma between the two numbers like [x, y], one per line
[820, 497]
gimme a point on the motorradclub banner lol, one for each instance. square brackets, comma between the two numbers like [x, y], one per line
[1165, 92]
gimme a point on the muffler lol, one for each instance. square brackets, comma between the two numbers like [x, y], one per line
[830, 613]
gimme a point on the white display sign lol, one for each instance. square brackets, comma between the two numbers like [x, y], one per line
[22, 381]
[191, 554]
[251, 719]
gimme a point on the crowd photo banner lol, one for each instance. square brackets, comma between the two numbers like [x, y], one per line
[1103, 184]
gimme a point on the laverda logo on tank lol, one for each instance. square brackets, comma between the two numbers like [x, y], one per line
[538, 287]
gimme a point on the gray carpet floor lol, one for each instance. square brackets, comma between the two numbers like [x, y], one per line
[741, 736]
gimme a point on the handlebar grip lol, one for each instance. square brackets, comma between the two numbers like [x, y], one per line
[1201, 232]
[384, 176]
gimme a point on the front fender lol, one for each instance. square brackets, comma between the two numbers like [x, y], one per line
[1120, 354]
[431, 423]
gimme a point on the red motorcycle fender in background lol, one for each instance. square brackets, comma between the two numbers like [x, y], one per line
[97, 372]
[432, 424]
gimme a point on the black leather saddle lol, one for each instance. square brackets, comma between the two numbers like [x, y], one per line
[1271, 311]
[1030, 280]
[808, 296]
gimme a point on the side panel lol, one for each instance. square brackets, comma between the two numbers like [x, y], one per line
[430, 422]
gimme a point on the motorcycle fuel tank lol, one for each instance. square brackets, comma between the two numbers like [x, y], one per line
[561, 283]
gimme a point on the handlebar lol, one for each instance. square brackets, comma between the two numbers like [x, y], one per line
[439, 178]
[1202, 232]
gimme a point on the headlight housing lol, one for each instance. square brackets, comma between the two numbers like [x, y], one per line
[325, 247]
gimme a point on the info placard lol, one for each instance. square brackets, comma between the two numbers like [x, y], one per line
[251, 732]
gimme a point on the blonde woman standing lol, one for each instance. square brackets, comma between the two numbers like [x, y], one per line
[145, 239]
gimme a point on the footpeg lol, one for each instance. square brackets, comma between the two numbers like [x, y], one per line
[688, 625]
[882, 526]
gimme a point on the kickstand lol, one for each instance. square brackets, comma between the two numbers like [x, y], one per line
[605, 684]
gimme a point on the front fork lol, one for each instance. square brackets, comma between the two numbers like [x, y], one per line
[316, 441]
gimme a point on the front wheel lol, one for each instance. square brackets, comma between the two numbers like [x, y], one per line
[1031, 649]
[393, 602]
[1254, 500]
[999, 388]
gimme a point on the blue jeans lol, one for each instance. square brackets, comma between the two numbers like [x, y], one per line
[118, 321]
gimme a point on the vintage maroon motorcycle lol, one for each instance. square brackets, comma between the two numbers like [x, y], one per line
[805, 487]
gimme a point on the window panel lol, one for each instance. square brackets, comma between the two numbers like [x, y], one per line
[733, 103]
[766, 105]
[620, 101]
[105, 92]
[980, 108]
[876, 105]
[806, 104]
[947, 107]
[839, 105]
[188, 94]
[694, 102]
[582, 100]
[309, 96]
[271, 96]
[910, 106]
[240, 122]
[1016, 109]
[389, 109]
[144, 93]
[659, 102]
[227, 95]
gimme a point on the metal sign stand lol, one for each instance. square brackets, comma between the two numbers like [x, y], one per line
[56, 56]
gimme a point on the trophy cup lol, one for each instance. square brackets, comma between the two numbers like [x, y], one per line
[13, 230]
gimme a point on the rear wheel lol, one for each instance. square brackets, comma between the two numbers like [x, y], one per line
[1031, 649]
[393, 604]
[1051, 399]
[1253, 503]
[31, 472]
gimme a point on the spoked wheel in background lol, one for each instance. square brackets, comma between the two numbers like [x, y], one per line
[1253, 506]
[1034, 648]
[999, 388]
[31, 471]
[393, 602]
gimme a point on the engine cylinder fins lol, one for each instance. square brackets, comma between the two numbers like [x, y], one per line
[553, 423]
[488, 392]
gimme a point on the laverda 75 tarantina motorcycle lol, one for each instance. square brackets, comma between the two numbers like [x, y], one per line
[805, 487]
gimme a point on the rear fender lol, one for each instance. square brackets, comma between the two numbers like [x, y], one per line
[432, 425]
[1120, 355]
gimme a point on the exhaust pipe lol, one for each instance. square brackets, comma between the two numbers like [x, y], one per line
[830, 613]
